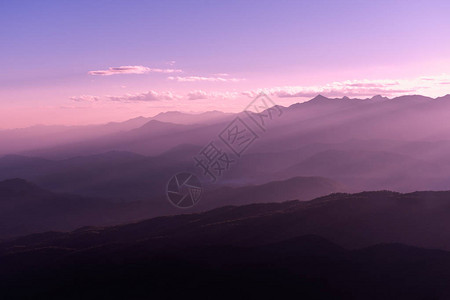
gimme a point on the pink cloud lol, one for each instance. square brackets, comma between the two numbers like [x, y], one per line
[196, 95]
[131, 70]
[85, 98]
[350, 88]
[221, 74]
[349, 92]
[166, 70]
[201, 78]
[145, 97]
[372, 84]
[158, 96]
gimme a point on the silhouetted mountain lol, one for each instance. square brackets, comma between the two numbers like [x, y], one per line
[369, 144]
[26, 208]
[40, 136]
[260, 250]
[153, 137]
[127, 176]
[444, 98]
[379, 98]
[318, 99]
[37, 137]
[352, 220]
[297, 188]
[116, 175]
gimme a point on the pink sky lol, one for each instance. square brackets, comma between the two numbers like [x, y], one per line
[80, 65]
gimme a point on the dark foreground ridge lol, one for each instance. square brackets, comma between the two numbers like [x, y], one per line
[266, 251]
[308, 267]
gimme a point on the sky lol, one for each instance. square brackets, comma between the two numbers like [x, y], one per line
[90, 62]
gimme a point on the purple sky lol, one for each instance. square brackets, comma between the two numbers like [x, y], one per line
[79, 62]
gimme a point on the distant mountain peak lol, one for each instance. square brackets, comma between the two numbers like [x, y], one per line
[170, 112]
[319, 98]
[156, 124]
[138, 118]
[379, 98]
[413, 98]
[446, 97]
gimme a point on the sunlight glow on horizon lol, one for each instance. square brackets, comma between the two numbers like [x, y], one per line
[86, 67]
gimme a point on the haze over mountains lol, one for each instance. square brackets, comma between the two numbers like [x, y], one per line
[366, 144]
[26, 208]
[42, 136]
[367, 119]
[345, 145]
[333, 192]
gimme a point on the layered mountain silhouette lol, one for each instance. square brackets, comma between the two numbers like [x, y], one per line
[370, 251]
[49, 137]
[335, 199]
[351, 220]
[23, 139]
[313, 149]
[407, 137]
[26, 208]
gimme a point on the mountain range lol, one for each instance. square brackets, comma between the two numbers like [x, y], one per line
[334, 199]
[399, 144]
[373, 249]
[313, 149]
[26, 208]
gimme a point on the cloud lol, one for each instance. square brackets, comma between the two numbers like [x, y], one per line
[199, 94]
[196, 95]
[121, 70]
[364, 88]
[145, 97]
[85, 98]
[221, 74]
[166, 70]
[350, 88]
[131, 70]
[372, 84]
[200, 78]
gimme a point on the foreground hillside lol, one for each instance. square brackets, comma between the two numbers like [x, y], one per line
[345, 246]
[308, 267]
[419, 219]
